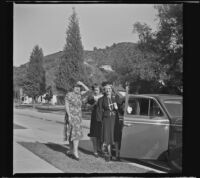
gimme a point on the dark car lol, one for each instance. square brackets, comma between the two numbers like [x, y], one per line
[152, 128]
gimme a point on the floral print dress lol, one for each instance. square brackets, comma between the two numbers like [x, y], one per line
[73, 128]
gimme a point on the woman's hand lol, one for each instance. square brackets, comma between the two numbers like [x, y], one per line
[80, 83]
[84, 86]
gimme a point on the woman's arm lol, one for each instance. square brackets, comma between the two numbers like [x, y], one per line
[116, 92]
[84, 86]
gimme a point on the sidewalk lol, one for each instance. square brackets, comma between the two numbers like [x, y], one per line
[30, 163]
[24, 161]
[51, 116]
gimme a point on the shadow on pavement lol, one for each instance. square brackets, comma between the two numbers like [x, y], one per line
[84, 147]
[59, 148]
[44, 111]
[16, 126]
[56, 147]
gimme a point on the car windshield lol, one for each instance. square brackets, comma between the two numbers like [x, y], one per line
[174, 107]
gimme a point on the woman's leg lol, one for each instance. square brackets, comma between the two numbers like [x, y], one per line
[94, 142]
[109, 150]
[75, 144]
[117, 150]
[108, 153]
[99, 145]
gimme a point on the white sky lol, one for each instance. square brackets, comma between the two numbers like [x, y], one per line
[100, 25]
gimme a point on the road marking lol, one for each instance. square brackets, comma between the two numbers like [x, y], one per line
[145, 167]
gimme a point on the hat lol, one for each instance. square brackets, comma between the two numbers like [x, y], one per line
[104, 84]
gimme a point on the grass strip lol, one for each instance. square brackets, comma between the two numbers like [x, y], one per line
[55, 155]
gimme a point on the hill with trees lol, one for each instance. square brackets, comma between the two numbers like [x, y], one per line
[93, 60]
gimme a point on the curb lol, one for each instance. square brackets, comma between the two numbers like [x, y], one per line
[59, 122]
[40, 108]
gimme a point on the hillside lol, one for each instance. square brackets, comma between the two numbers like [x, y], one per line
[93, 61]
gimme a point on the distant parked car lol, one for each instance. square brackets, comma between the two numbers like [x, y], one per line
[152, 128]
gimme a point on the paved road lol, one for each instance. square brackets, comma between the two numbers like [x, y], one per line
[40, 135]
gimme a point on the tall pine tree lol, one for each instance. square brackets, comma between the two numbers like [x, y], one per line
[71, 67]
[34, 82]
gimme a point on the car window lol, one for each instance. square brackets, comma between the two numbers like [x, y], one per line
[155, 110]
[138, 106]
[174, 107]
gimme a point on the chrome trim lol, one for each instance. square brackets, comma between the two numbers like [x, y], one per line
[176, 125]
[149, 123]
[146, 120]
[164, 124]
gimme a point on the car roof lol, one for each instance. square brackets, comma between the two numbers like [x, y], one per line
[159, 96]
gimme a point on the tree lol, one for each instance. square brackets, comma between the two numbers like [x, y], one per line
[34, 82]
[133, 66]
[111, 77]
[166, 42]
[71, 67]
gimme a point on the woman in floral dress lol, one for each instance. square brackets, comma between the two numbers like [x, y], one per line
[73, 130]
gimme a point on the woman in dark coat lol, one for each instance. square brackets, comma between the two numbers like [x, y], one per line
[107, 113]
[118, 124]
[95, 126]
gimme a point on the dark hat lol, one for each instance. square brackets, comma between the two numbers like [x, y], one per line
[106, 84]
[95, 86]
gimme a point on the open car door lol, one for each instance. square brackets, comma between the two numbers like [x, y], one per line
[145, 132]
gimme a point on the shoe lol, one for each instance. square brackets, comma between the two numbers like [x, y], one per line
[96, 155]
[107, 158]
[116, 158]
[100, 153]
[69, 153]
[76, 158]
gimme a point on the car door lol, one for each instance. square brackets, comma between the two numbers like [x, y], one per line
[146, 128]
[174, 108]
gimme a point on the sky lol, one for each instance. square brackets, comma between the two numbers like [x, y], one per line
[100, 25]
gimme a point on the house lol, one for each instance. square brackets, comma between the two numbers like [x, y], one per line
[54, 100]
[27, 100]
[106, 68]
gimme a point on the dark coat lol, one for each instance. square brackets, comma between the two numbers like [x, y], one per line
[110, 122]
[95, 126]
